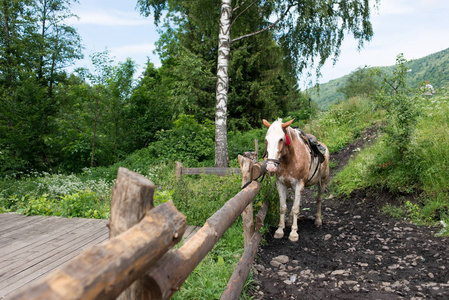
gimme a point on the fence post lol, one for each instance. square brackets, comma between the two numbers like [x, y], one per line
[246, 166]
[132, 197]
[178, 170]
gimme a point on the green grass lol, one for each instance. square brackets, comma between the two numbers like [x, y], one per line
[343, 122]
[421, 170]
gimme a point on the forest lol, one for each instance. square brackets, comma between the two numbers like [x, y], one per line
[58, 122]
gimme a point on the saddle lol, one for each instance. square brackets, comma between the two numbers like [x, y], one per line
[316, 148]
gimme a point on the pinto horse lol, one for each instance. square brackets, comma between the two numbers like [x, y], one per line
[290, 156]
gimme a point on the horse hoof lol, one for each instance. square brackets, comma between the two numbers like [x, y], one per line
[318, 222]
[279, 234]
[294, 237]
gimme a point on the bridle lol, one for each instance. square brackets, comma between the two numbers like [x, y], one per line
[277, 161]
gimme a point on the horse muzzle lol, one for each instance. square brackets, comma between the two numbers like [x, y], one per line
[272, 165]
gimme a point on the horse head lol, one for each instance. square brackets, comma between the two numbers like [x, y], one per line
[277, 140]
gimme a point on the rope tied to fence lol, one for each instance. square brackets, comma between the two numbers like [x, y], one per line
[261, 176]
[249, 182]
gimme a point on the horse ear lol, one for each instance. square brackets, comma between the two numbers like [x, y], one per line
[286, 124]
[265, 122]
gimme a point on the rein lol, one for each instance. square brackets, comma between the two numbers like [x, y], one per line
[249, 182]
[263, 176]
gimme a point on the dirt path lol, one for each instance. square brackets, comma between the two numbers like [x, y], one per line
[358, 253]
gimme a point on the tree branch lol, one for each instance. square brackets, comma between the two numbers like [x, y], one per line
[238, 6]
[264, 29]
[242, 12]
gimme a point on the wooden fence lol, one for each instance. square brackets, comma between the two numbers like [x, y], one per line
[138, 261]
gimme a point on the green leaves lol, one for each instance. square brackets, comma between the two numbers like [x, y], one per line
[399, 102]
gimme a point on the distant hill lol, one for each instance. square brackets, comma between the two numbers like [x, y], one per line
[433, 68]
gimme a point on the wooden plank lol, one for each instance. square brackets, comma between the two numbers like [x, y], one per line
[61, 228]
[19, 223]
[7, 218]
[188, 232]
[51, 261]
[46, 255]
[29, 235]
[84, 232]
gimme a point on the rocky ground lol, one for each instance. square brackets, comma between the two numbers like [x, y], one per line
[358, 253]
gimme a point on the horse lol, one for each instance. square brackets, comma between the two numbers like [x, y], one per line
[293, 156]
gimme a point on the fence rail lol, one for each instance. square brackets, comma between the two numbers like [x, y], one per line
[180, 170]
[136, 262]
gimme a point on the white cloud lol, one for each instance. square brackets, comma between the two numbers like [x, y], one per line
[404, 7]
[133, 49]
[395, 7]
[110, 18]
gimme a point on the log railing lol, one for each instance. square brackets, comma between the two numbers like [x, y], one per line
[138, 261]
[180, 170]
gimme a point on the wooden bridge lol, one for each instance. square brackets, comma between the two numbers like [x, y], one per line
[33, 246]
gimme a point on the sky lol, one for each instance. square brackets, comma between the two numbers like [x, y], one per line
[414, 28]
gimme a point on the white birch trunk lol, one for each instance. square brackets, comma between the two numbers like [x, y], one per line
[224, 48]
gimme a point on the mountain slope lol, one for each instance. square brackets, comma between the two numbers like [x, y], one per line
[433, 68]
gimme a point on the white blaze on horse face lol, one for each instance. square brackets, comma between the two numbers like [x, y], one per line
[274, 135]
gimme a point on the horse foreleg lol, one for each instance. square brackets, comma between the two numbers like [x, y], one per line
[295, 212]
[282, 190]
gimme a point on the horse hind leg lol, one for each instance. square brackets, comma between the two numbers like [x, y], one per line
[319, 200]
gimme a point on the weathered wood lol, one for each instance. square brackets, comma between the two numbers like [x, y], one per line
[27, 256]
[246, 166]
[37, 260]
[259, 169]
[168, 274]
[253, 155]
[240, 274]
[178, 170]
[132, 197]
[210, 171]
[261, 214]
[7, 228]
[256, 150]
[105, 270]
